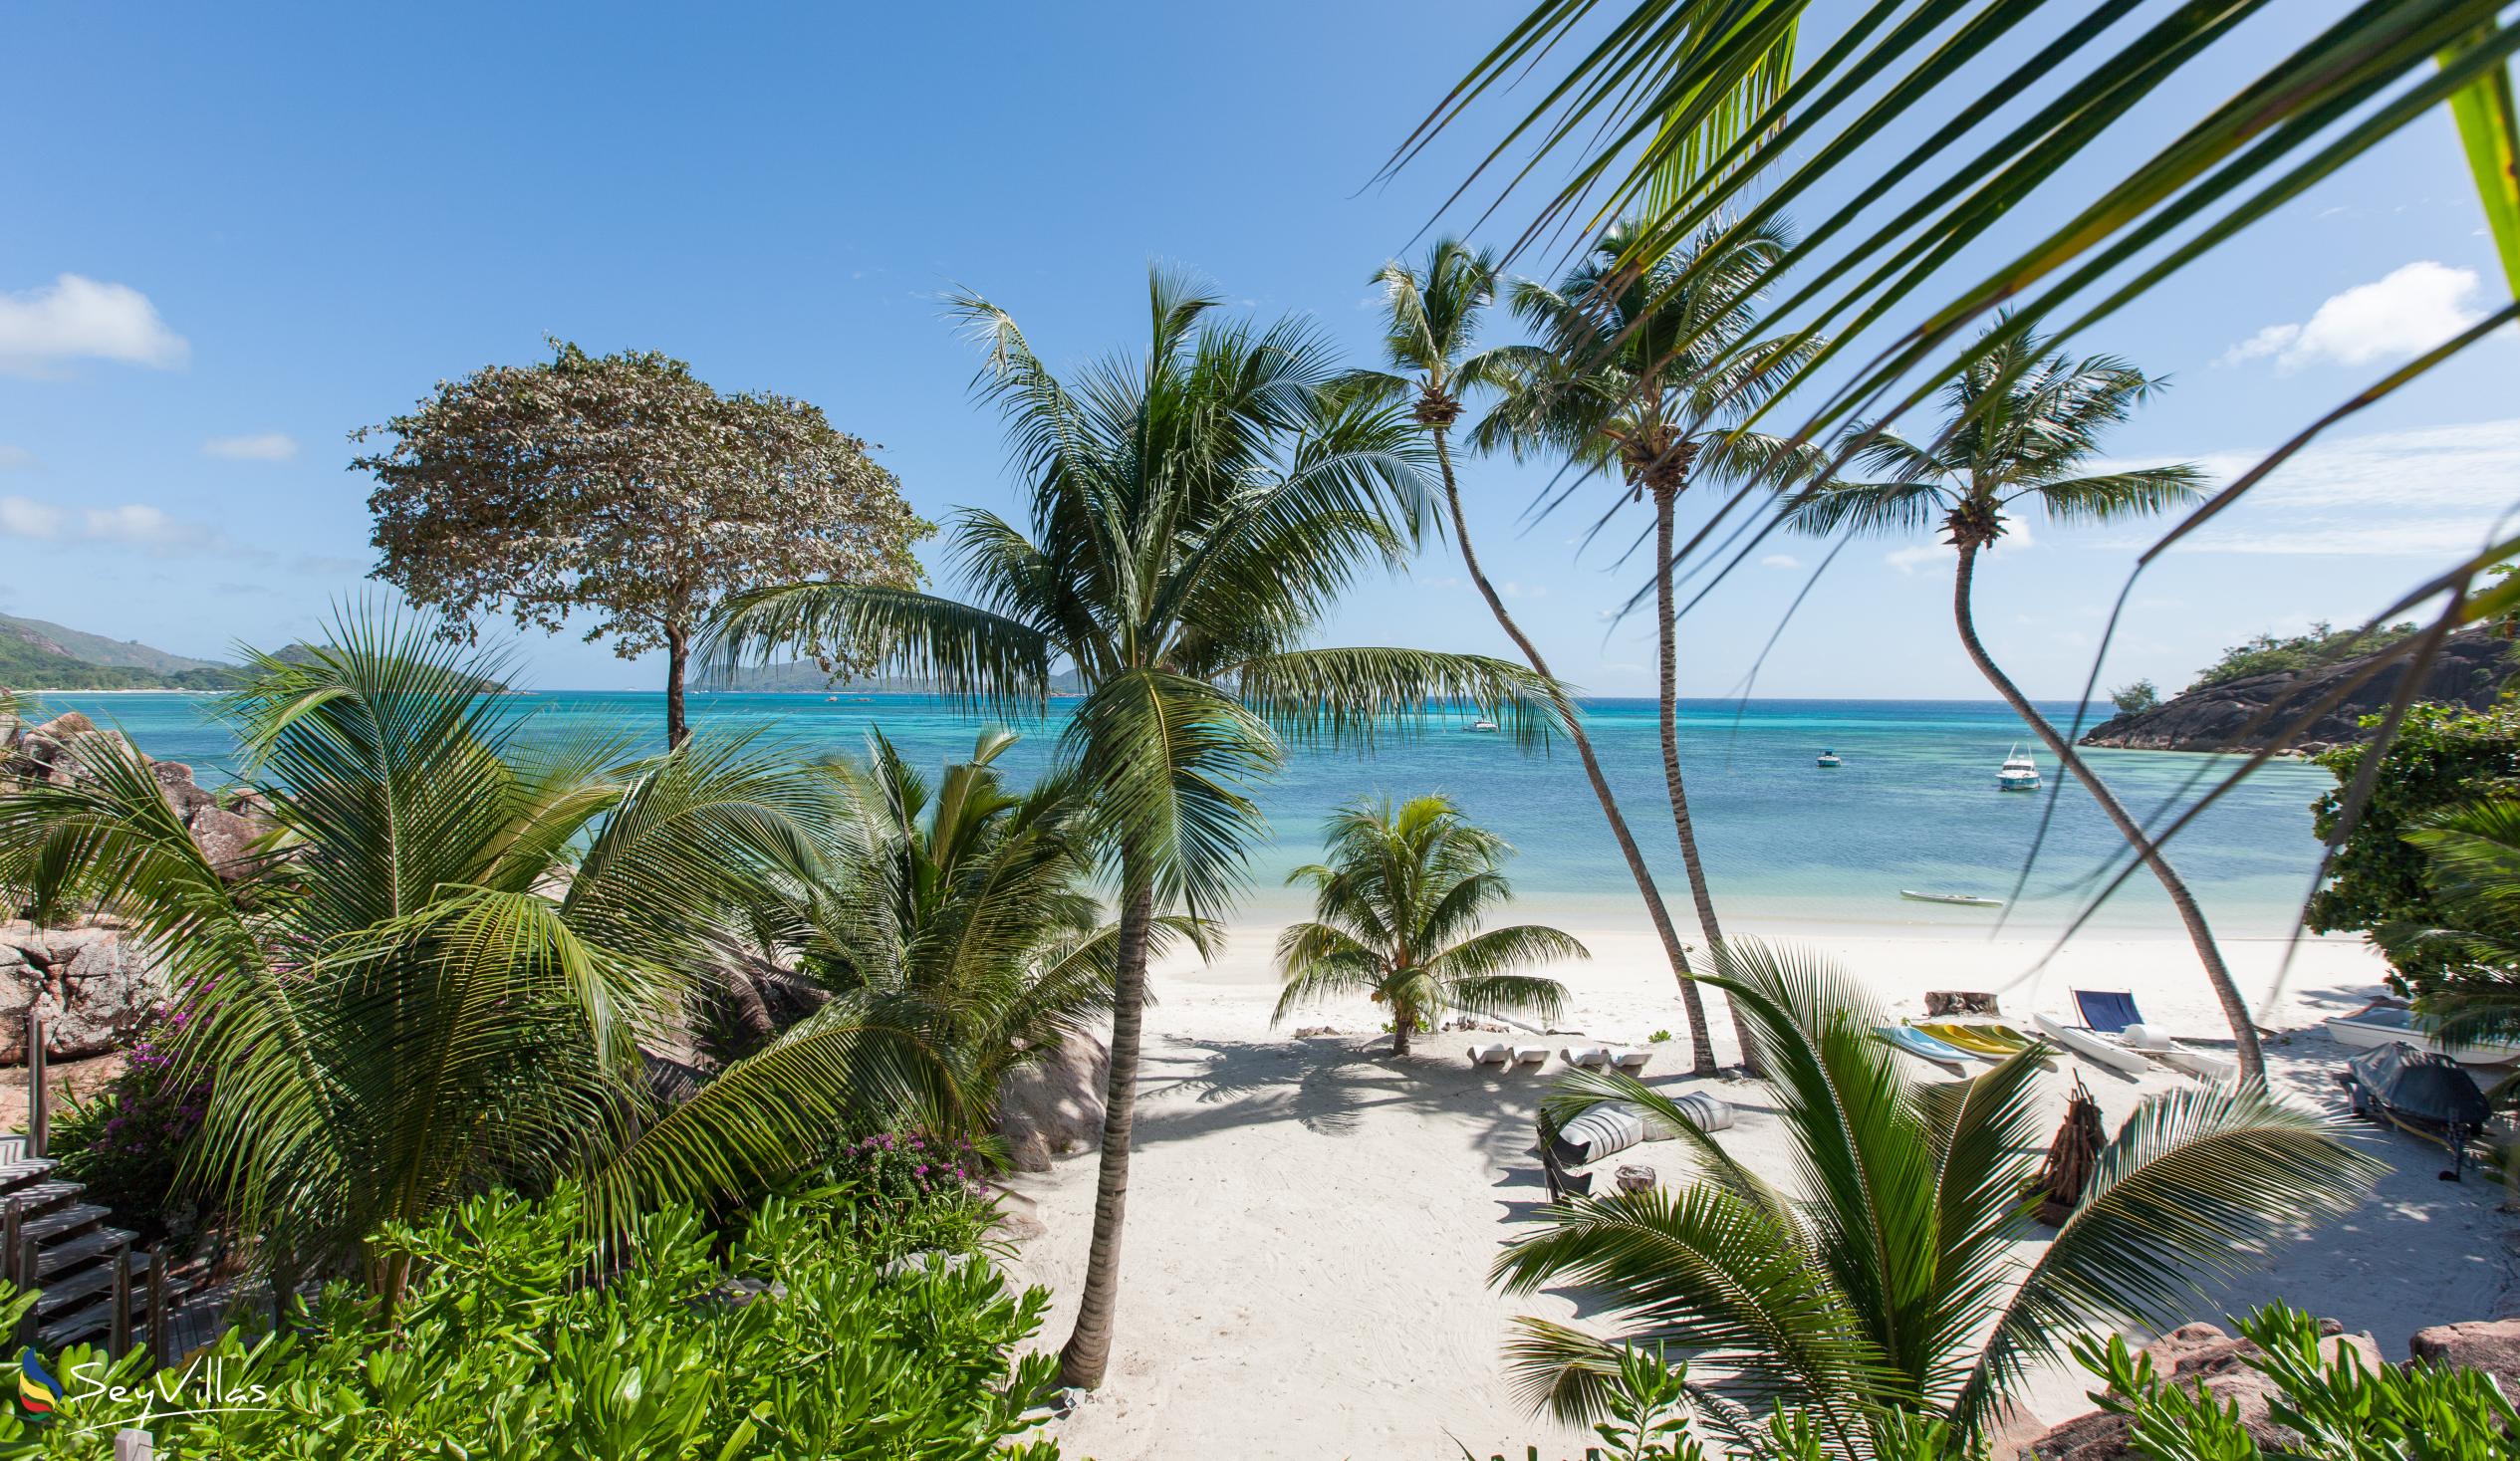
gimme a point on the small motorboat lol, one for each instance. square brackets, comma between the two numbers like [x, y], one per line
[2018, 773]
[2377, 1025]
[1830, 758]
[2420, 1092]
[1965, 901]
[1483, 725]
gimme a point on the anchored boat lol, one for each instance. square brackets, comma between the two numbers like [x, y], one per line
[2018, 774]
[1830, 758]
[1965, 901]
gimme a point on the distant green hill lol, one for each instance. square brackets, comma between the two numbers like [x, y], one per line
[25, 666]
[96, 650]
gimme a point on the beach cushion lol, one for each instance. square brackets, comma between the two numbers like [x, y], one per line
[1611, 1126]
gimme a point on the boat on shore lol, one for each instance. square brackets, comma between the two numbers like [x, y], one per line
[2375, 1026]
[1965, 901]
[2018, 773]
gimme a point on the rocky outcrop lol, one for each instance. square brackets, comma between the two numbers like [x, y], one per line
[97, 983]
[1054, 1106]
[2203, 1356]
[225, 832]
[2471, 670]
[2489, 1344]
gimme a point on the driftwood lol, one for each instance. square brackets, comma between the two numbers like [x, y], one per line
[2071, 1157]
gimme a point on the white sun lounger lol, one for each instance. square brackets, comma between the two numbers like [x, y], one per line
[1491, 1055]
[1631, 1060]
[1530, 1055]
[1590, 1057]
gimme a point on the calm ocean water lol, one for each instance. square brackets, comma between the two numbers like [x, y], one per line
[1915, 805]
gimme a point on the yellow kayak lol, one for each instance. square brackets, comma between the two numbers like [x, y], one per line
[1994, 1042]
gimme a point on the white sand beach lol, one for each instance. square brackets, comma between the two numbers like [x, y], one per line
[1309, 1226]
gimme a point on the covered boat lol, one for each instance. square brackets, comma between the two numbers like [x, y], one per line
[2421, 1094]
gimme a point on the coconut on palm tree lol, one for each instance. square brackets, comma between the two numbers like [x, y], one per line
[1430, 329]
[1647, 372]
[2021, 427]
[443, 968]
[1194, 512]
[1894, 1276]
[1396, 911]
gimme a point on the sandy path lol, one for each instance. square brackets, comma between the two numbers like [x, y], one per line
[1311, 1227]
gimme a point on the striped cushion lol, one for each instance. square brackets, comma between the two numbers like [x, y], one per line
[1608, 1128]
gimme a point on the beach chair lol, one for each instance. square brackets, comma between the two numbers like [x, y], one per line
[1562, 1183]
[1491, 1055]
[1530, 1057]
[2107, 1010]
[1633, 1061]
[1589, 1057]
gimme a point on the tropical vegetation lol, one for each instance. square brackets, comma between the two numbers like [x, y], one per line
[625, 490]
[1194, 512]
[2135, 696]
[802, 1338]
[446, 966]
[1396, 914]
[2321, 644]
[1896, 1285]
[2021, 425]
[2379, 882]
[2337, 1407]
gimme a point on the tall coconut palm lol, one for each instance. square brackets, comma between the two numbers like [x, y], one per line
[1649, 369]
[1396, 915]
[2021, 426]
[440, 970]
[1431, 332]
[1896, 1277]
[1194, 512]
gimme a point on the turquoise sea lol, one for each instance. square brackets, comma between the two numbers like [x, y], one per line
[1915, 805]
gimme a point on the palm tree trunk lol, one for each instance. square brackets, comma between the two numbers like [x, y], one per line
[1087, 1352]
[1403, 1023]
[1667, 646]
[1701, 1048]
[2234, 1009]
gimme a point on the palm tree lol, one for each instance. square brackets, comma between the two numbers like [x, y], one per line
[1895, 1280]
[441, 972]
[1396, 912]
[1194, 512]
[2472, 871]
[1649, 372]
[2021, 426]
[1430, 327]
[961, 910]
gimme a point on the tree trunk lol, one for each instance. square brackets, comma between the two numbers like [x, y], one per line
[1087, 1352]
[2234, 1009]
[677, 651]
[1701, 1049]
[1404, 1024]
[1667, 646]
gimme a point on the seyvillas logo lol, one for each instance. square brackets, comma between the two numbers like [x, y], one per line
[37, 1392]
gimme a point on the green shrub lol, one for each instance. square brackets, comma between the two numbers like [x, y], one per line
[904, 1191]
[125, 1142]
[2272, 653]
[500, 1348]
[2141, 696]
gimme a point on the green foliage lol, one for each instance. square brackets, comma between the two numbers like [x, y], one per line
[444, 983]
[1895, 1284]
[2343, 1410]
[1396, 914]
[2377, 883]
[125, 1142]
[2322, 644]
[2138, 696]
[500, 1347]
[36, 668]
[906, 1190]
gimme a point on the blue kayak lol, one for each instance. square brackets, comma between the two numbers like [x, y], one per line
[1918, 1042]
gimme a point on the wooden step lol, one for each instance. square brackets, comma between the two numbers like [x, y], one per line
[97, 1278]
[18, 1172]
[92, 1324]
[64, 1222]
[35, 1199]
[61, 1258]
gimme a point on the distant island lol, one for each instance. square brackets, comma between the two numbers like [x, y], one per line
[2221, 710]
[37, 655]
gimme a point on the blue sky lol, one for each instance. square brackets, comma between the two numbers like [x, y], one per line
[233, 234]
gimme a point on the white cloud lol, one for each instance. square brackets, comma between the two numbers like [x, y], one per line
[1512, 590]
[1780, 561]
[23, 517]
[2407, 312]
[1907, 560]
[75, 318]
[132, 524]
[2431, 492]
[266, 447]
[17, 459]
